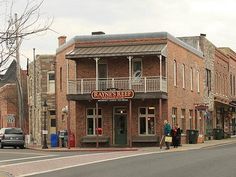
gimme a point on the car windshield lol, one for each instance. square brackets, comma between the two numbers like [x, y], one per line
[13, 131]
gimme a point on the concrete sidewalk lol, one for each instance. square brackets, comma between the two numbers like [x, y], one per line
[206, 144]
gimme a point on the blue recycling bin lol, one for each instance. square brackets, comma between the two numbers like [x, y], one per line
[54, 140]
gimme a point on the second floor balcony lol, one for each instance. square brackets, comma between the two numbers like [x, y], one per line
[143, 85]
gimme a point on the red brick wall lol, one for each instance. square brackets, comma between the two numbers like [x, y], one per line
[177, 96]
[8, 101]
[61, 100]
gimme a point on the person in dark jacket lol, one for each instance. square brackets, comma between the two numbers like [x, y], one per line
[176, 136]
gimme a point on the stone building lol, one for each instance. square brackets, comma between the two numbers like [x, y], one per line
[96, 75]
[9, 113]
[41, 87]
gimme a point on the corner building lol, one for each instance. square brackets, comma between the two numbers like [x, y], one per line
[164, 73]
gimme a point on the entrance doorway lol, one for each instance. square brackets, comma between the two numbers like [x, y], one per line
[120, 126]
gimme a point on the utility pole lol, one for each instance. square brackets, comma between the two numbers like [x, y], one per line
[34, 117]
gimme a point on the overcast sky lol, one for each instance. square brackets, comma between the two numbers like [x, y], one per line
[215, 18]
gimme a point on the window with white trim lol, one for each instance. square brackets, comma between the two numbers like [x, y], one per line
[175, 73]
[174, 116]
[51, 82]
[183, 120]
[198, 81]
[147, 120]
[91, 120]
[136, 69]
[190, 119]
[191, 78]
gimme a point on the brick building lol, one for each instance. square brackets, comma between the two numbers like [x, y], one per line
[232, 87]
[164, 73]
[9, 113]
[41, 87]
[216, 94]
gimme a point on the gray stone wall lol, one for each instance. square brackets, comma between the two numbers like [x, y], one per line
[39, 93]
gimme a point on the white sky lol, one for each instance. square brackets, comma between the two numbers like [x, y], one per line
[215, 18]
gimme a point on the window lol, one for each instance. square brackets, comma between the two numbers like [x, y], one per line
[234, 85]
[136, 69]
[190, 119]
[191, 78]
[183, 75]
[175, 73]
[147, 121]
[231, 84]
[51, 82]
[183, 120]
[60, 78]
[198, 82]
[208, 80]
[53, 122]
[91, 120]
[174, 116]
[196, 119]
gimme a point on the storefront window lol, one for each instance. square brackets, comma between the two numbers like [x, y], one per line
[147, 121]
[91, 120]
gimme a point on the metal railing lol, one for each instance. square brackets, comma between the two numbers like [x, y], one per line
[142, 84]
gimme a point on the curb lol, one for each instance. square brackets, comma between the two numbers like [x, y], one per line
[83, 149]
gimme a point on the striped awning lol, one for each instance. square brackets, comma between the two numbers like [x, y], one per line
[108, 51]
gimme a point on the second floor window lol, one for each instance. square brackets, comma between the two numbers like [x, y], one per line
[175, 73]
[191, 78]
[198, 81]
[136, 69]
[51, 82]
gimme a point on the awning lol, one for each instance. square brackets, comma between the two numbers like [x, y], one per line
[108, 51]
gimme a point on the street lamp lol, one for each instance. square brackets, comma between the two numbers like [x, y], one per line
[45, 106]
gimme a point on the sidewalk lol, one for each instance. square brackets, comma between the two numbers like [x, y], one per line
[206, 144]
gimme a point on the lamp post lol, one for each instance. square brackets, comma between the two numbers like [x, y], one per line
[44, 125]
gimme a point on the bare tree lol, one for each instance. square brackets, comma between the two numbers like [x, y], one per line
[18, 27]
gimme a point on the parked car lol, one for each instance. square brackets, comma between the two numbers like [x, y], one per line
[12, 137]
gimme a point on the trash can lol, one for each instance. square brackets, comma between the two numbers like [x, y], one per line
[218, 133]
[72, 140]
[192, 136]
[54, 140]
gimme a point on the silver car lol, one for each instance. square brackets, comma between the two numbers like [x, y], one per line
[12, 137]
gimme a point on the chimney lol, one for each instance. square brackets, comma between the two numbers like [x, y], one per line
[203, 35]
[61, 40]
[98, 33]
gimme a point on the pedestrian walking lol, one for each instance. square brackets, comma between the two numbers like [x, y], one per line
[167, 136]
[175, 133]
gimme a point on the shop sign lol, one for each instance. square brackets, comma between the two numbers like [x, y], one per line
[201, 106]
[112, 94]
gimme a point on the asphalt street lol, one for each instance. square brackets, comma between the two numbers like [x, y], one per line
[209, 162]
[206, 161]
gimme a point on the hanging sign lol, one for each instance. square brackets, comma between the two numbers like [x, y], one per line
[112, 94]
